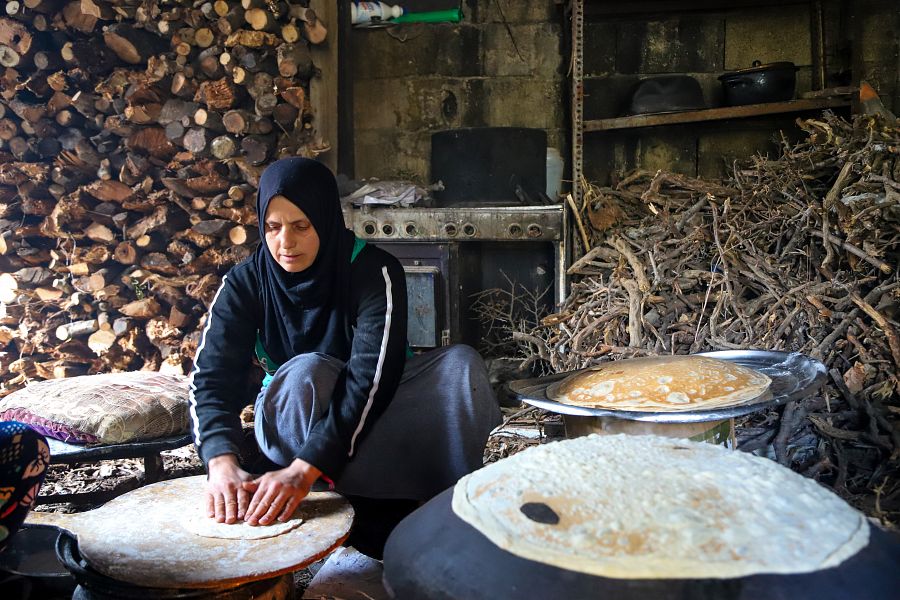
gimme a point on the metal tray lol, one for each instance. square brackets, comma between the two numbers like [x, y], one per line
[793, 375]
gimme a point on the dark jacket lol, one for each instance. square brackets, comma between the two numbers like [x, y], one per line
[371, 339]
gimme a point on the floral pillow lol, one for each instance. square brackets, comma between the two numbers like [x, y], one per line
[109, 409]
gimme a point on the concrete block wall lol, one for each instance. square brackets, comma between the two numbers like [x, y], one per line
[504, 65]
[501, 66]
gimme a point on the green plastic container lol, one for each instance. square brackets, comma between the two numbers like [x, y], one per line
[452, 15]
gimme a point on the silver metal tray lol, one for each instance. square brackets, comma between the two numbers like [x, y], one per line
[793, 375]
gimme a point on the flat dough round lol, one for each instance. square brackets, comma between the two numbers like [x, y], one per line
[649, 507]
[661, 384]
[200, 524]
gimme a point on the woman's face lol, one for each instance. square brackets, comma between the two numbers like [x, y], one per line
[290, 237]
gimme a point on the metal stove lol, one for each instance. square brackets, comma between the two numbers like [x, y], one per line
[451, 253]
[93, 585]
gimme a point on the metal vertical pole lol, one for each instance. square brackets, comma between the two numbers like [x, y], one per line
[567, 244]
[577, 99]
[817, 34]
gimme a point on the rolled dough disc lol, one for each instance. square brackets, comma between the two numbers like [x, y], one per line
[200, 524]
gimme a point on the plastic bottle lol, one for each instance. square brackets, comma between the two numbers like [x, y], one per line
[366, 12]
[451, 15]
[554, 173]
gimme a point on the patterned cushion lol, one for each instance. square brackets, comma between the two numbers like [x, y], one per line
[109, 409]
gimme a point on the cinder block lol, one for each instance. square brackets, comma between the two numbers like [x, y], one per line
[410, 50]
[532, 50]
[393, 154]
[613, 154]
[381, 104]
[599, 159]
[607, 97]
[718, 148]
[881, 31]
[599, 48]
[667, 148]
[432, 103]
[767, 34]
[513, 11]
[676, 45]
[473, 101]
[524, 102]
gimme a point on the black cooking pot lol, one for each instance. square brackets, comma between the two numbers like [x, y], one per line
[771, 82]
[666, 93]
[30, 554]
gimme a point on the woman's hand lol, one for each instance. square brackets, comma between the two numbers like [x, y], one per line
[226, 498]
[277, 494]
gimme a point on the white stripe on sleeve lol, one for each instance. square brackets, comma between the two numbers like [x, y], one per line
[384, 344]
[193, 388]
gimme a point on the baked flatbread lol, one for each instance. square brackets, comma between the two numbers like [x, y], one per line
[661, 384]
[199, 524]
[648, 507]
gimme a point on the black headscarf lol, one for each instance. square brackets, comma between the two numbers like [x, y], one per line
[299, 308]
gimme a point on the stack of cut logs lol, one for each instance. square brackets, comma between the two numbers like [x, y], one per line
[132, 135]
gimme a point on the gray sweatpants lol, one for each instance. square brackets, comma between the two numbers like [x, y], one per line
[432, 433]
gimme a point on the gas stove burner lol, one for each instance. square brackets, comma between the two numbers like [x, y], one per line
[460, 224]
[93, 585]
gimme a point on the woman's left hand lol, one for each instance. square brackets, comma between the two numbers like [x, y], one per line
[277, 495]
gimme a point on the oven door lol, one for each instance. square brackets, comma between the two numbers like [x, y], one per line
[423, 295]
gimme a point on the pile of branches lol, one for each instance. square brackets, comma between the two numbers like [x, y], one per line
[797, 253]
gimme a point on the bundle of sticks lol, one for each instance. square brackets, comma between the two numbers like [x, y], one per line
[132, 137]
[796, 253]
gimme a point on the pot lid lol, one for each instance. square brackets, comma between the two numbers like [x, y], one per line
[759, 67]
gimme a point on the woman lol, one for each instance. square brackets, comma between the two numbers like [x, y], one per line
[326, 314]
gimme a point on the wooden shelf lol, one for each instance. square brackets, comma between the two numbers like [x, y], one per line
[715, 114]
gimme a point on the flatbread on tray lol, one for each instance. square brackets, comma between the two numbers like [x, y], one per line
[649, 507]
[661, 384]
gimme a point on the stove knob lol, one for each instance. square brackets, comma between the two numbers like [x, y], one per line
[515, 230]
[410, 229]
[469, 229]
[387, 229]
[534, 230]
[450, 229]
[369, 228]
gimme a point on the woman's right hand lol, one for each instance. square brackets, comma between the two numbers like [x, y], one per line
[226, 499]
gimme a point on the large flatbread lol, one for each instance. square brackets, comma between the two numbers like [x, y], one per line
[642, 507]
[662, 384]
